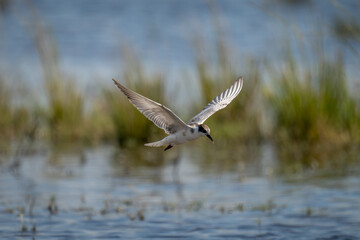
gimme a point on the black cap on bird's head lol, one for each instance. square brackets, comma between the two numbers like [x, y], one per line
[205, 130]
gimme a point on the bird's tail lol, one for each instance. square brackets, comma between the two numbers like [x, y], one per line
[156, 144]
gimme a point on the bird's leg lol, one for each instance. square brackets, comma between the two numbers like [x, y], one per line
[168, 147]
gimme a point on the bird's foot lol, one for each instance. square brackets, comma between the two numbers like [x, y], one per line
[168, 147]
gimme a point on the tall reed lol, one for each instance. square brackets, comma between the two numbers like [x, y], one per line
[5, 110]
[15, 120]
[303, 104]
[314, 104]
[65, 110]
[64, 113]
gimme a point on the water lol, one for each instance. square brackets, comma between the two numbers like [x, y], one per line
[90, 34]
[239, 192]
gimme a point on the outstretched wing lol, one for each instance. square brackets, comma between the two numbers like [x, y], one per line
[220, 102]
[163, 117]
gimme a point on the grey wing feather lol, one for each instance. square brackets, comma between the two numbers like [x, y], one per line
[220, 102]
[160, 115]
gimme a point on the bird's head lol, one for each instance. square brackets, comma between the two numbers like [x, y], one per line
[204, 129]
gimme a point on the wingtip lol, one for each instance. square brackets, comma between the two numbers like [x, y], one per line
[116, 83]
[240, 79]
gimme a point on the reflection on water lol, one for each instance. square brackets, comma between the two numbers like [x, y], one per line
[190, 192]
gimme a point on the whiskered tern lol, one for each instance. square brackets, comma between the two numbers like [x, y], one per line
[179, 131]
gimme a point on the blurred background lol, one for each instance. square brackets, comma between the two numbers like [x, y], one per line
[286, 154]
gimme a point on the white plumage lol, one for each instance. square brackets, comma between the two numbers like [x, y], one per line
[220, 102]
[165, 119]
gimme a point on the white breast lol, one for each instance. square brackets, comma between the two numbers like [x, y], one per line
[186, 136]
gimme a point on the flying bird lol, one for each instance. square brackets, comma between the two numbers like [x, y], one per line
[179, 131]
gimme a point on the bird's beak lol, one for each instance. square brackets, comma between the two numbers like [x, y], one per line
[208, 135]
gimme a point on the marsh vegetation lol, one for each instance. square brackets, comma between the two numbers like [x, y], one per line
[285, 161]
[296, 103]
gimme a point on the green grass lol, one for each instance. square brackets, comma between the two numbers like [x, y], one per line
[5, 110]
[313, 105]
[310, 104]
[65, 111]
[15, 120]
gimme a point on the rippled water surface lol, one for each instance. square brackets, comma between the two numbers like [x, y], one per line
[239, 192]
[89, 35]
